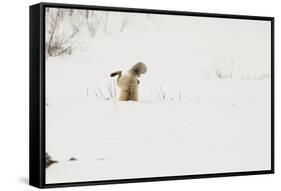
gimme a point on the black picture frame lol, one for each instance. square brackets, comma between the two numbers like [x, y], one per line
[37, 95]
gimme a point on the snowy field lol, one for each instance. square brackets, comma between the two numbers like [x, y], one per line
[204, 103]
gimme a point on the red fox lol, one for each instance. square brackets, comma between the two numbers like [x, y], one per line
[128, 83]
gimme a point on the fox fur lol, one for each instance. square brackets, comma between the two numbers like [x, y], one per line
[128, 83]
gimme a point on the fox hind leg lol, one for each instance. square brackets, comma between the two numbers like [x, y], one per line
[124, 95]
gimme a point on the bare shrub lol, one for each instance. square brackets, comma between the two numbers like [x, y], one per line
[59, 38]
[109, 92]
[179, 95]
[254, 77]
[263, 77]
[93, 21]
[221, 71]
[124, 23]
[63, 26]
[163, 95]
[247, 77]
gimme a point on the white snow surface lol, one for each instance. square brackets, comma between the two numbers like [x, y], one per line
[203, 126]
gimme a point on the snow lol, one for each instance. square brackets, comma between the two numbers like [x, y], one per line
[204, 125]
